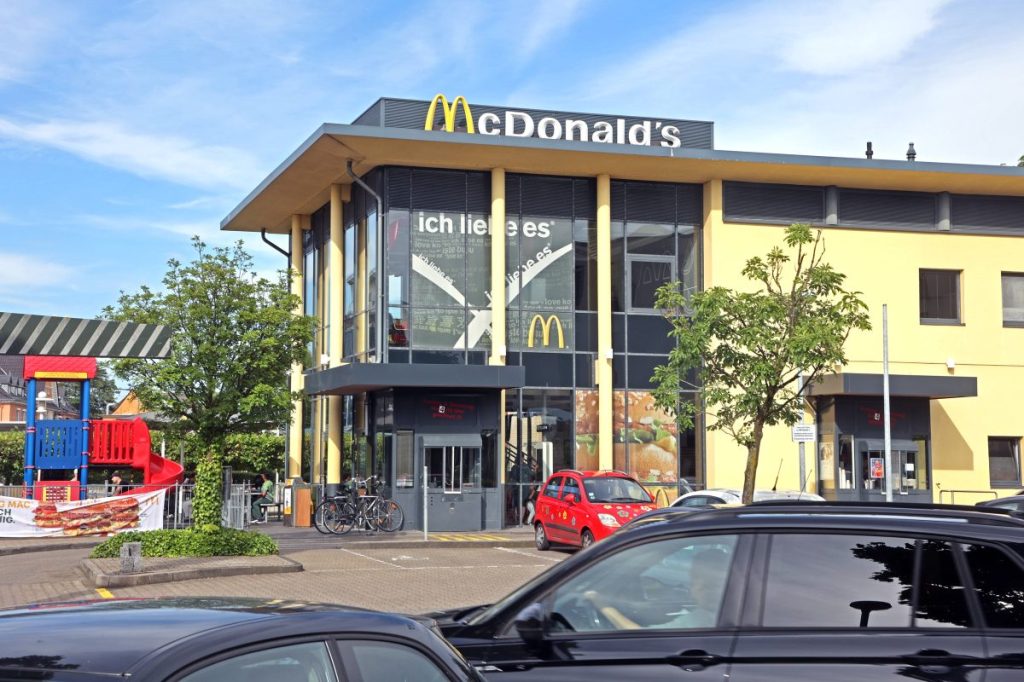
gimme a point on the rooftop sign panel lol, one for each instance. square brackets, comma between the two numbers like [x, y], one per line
[458, 115]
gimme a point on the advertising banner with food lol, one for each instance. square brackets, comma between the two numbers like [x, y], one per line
[21, 518]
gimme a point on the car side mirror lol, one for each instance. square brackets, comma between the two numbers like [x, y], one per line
[571, 499]
[531, 624]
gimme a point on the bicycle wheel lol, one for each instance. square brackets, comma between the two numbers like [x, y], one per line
[390, 516]
[321, 511]
[342, 518]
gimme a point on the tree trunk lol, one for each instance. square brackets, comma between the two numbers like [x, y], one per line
[753, 453]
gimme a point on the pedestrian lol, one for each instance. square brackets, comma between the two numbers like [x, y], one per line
[264, 496]
[116, 483]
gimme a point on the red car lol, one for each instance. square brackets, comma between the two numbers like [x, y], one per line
[581, 507]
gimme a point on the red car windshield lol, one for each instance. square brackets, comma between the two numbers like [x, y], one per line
[614, 490]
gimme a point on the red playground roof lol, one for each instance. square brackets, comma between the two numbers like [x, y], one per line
[55, 367]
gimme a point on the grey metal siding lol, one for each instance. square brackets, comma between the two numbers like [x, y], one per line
[877, 208]
[773, 203]
[973, 213]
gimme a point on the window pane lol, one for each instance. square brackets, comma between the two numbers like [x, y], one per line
[438, 328]
[998, 584]
[1013, 298]
[571, 487]
[309, 661]
[940, 295]
[1004, 461]
[941, 599]
[645, 277]
[545, 275]
[551, 489]
[397, 254]
[405, 461]
[671, 584]
[539, 330]
[438, 259]
[478, 260]
[650, 238]
[839, 581]
[687, 256]
[394, 663]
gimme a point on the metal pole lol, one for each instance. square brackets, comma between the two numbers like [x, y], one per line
[425, 474]
[885, 402]
[803, 420]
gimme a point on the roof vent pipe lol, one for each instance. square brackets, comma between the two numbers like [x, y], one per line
[911, 154]
[869, 152]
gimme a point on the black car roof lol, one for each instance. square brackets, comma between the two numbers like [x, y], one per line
[113, 636]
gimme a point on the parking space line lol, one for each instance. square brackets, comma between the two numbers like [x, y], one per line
[104, 592]
[532, 556]
[379, 561]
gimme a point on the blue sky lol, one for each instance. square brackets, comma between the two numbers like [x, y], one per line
[126, 127]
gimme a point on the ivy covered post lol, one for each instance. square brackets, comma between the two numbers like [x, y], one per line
[207, 501]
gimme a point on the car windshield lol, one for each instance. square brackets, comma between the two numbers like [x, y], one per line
[614, 490]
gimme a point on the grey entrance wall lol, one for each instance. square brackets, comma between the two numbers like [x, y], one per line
[440, 418]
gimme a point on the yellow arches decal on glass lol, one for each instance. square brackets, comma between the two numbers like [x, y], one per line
[449, 113]
[545, 330]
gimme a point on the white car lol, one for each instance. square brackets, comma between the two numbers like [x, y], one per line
[713, 496]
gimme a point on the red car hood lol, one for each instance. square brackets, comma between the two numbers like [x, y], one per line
[623, 511]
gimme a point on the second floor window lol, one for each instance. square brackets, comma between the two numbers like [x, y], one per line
[1013, 299]
[940, 296]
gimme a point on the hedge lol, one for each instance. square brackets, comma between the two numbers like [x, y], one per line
[206, 541]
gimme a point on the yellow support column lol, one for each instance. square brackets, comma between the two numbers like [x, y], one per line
[712, 228]
[498, 303]
[603, 365]
[335, 313]
[294, 468]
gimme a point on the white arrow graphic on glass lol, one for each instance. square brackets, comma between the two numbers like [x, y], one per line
[481, 321]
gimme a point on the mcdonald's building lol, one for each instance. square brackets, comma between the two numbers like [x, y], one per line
[484, 282]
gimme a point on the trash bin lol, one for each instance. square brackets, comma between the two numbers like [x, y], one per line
[298, 505]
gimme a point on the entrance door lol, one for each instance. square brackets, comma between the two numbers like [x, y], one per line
[455, 493]
[910, 470]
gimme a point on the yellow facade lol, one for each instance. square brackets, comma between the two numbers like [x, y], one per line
[884, 266]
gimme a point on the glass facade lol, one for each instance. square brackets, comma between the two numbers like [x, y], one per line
[435, 235]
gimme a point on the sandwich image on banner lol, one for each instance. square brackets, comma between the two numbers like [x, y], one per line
[105, 516]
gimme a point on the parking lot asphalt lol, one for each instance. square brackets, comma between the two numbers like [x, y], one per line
[411, 580]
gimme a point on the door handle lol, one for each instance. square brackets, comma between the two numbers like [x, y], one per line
[695, 659]
[933, 661]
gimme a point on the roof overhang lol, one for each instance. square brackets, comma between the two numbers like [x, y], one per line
[363, 377]
[900, 386]
[301, 184]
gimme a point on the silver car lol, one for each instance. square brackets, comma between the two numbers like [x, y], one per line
[713, 496]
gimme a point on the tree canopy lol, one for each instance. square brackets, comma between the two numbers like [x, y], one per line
[750, 347]
[235, 336]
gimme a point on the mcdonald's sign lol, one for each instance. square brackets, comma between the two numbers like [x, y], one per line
[545, 330]
[450, 111]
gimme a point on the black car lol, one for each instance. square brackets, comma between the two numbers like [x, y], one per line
[219, 640]
[770, 592]
[1013, 503]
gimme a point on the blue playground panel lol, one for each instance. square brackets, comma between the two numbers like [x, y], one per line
[58, 444]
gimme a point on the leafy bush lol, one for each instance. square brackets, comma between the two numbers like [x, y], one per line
[205, 541]
[245, 453]
[12, 456]
[206, 504]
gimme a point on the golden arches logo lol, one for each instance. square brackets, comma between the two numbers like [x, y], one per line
[450, 110]
[545, 330]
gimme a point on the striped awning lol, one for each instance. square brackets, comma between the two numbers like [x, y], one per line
[46, 335]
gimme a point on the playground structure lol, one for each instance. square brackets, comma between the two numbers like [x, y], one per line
[75, 444]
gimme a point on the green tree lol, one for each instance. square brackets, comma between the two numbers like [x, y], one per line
[102, 391]
[749, 347]
[1020, 161]
[235, 336]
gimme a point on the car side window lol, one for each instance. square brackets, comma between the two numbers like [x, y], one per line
[571, 487]
[551, 489]
[998, 584]
[677, 583]
[696, 501]
[305, 662]
[378, 661]
[855, 581]
[941, 595]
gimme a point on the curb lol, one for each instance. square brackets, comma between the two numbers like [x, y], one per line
[432, 544]
[99, 578]
[50, 546]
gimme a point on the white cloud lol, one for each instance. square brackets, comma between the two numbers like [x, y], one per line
[547, 18]
[26, 31]
[23, 272]
[155, 156]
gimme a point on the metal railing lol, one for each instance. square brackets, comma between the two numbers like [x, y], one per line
[953, 494]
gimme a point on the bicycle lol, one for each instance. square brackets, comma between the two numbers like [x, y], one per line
[372, 512]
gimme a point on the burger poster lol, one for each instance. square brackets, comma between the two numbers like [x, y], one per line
[21, 518]
[644, 438]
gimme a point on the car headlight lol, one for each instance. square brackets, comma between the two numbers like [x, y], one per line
[608, 520]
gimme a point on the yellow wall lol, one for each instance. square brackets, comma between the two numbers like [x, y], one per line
[884, 266]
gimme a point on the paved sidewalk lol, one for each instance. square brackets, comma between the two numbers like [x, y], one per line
[22, 545]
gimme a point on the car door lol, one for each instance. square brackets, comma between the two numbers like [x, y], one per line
[663, 609]
[379, 660]
[549, 508]
[837, 607]
[997, 580]
[573, 509]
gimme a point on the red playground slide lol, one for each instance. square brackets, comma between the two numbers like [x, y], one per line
[115, 443]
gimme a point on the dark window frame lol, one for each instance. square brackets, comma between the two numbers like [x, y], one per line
[1009, 323]
[948, 321]
[1015, 443]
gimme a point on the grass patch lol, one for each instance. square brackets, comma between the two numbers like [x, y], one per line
[206, 541]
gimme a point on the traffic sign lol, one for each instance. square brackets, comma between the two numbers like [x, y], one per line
[804, 433]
